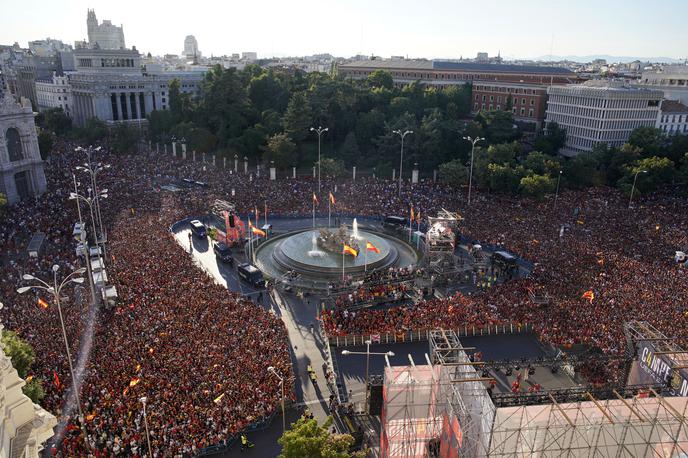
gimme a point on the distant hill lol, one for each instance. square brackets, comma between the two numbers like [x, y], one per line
[610, 59]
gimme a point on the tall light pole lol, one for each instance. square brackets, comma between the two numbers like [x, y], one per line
[401, 160]
[90, 201]
[633, 187]
[319, 131]
[145, 421]
[367, 353]
[470, 174]
[281, 379]
[556, 194]
[55, 290]
[92, 170]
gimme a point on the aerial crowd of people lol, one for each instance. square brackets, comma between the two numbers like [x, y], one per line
[199, 353]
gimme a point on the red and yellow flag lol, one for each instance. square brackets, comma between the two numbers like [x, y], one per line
[412, 214]
[135, 381]
[589, 295]
[315, 199]
[349, 250]
[257, 231]
[56, 380]
[43, 303]
[371, 247]
[332, 201]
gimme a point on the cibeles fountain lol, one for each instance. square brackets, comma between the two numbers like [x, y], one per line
[317, 255]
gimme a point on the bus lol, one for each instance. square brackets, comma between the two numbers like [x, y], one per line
[251, 274]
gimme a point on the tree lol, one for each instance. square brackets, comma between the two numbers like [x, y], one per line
[22, 356]
[45, 143]
[660, 171]
[541, 164]
[649, 140]
[498, 126]
[282, 150]
[55, 120]
[175, 100]
[307, 439]
[350, 150]
[551, 141]
[93, 131]
[582, 171]
[332, 167]
[380, 79]
[537, 185]
[504, 178]
[453, 173]
[298, 117]
[266, 92]
[124, 138]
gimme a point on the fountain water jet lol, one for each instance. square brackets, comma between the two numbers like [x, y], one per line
[315, 253]
[355, 231]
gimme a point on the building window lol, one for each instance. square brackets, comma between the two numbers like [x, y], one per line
[530, 113]
[14, 144]
[523, 111]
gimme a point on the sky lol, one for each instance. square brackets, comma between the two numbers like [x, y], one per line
[412, 28]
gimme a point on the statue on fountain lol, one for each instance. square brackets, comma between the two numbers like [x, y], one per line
[334, 242]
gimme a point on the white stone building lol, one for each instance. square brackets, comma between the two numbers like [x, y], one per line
[25, 425]
[191, 48]
[112, 86]
[104, 35]
[54, 93]
[21, 166]
[671, 79]
[600, 112]
[673, 118]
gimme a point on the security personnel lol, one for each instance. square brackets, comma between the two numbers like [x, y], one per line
[245, 444]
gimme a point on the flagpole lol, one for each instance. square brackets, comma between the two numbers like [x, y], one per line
[365, 265]
[329, 211]
[250, 241]
[266, 212]
[342, 264]
[313, 213]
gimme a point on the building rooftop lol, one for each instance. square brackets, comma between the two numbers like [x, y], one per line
[673, 106]
[460, 66]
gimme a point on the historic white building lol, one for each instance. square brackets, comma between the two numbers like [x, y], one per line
[191, 48]
[111, 85]
[600, 112]
[105, 35]
[25, 425]
[670, 79]
[54, 93]
[21, 166]
[673, 118]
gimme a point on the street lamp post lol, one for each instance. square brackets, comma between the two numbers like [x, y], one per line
[319, 131]
[93, 172]
[145, 422]
[367, 353]
[633, 187]
[90, 201]
[470, 174]
[281, 379]
[401, 159]
[56, 290]
[556, 194]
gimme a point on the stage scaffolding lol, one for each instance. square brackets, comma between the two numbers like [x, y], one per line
[443, 409]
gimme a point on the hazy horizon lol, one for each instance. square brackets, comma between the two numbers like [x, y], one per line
[440, 29]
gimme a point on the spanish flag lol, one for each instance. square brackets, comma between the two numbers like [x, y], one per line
[90, 417]
[315, 199]
[56, 380]
[371, 247]
[412, 215]
[133, 382]
[589, 295]
[332, 201]
[43, 303]
[349, 250]
[257, 231]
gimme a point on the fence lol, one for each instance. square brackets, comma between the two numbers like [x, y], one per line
[422, 335]
[260, 425]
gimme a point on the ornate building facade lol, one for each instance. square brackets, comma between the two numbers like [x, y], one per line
[105, 35]
[21, 166]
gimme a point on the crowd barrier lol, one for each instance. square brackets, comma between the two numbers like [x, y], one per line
[260, 425]
[422, 335]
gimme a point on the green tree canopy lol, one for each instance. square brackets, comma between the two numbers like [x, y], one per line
[298, 117]
[307, 439]
[453, 173]
[380, 78]
[537, 185]
[282, 150]
[649, 140]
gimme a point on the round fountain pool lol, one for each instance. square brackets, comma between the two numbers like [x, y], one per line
[299, 252]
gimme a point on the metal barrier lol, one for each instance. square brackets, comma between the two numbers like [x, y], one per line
[422, 335]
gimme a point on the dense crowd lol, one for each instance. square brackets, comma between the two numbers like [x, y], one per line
[184, 338]
[377, 294]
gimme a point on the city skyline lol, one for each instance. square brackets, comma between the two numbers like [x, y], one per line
[447, 30]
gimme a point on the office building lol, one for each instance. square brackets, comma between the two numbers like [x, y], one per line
[671, 79]
[600, 112]
[191, 48]
[104, 35]
[55, 92]
[48, 47]
[250, 56]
